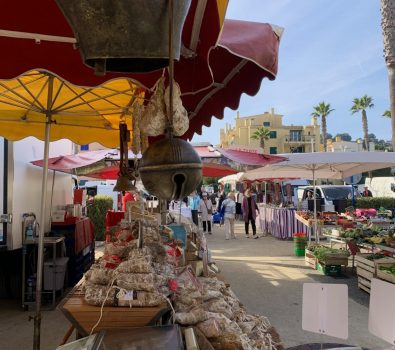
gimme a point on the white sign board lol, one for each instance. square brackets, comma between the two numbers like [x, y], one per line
[325, 309]
[382, 310]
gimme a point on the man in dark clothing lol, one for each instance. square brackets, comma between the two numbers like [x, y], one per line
[220, 200]
[366, 192]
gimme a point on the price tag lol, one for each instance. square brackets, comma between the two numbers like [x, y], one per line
[128, 295]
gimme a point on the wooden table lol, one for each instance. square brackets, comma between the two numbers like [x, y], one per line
[84, 316]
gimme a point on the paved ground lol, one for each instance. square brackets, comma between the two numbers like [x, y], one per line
[268, 280]
[264, 274]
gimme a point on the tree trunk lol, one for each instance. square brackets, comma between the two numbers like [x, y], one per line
[323, 121]
[365, 129]
[388, 27]
[262, 144]
[391, 80]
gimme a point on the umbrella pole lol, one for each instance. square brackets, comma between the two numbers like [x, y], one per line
[316, 235]
[40, 258]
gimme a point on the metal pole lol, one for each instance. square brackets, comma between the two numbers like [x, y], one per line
[317, 239]
[40, 257]
[50, 207]
[352, 192]
[171, 64]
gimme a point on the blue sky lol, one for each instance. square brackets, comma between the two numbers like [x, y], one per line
[331, 50]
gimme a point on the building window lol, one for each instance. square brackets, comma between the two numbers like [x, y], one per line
[84, 147]
[273, 150]
[295, 135]
[299, 149]
[266, 123]
[273, 134]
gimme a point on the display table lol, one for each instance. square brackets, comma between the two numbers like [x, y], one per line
[84, 316]
[280, 222]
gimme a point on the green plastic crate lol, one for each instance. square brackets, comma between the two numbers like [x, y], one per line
[329, 270]
[299, 251]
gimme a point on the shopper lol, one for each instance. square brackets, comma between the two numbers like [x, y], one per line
[366, 192]
[206, 209]
[249, 213]
[229, 205]
[221, 198]
[193, 204]
[127, 197]
[239, 202]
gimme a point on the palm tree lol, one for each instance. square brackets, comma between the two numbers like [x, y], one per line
[388, 27]
[387, 114]
[322, 110]
[262, 134]
[361, 105]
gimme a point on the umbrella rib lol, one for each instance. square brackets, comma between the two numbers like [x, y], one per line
[98, 98]
[21, 106]
[218, 87]
[27, 103]
[58, 124]
[35, 98]
[57, 93]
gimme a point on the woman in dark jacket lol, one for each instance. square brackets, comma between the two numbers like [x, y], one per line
[249, 213]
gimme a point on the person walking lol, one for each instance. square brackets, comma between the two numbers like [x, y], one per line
[229, 205]
[193, 204]
[206, 209]
[249, 213]
[239, 202]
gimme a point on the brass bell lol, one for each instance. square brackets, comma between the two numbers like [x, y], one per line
[170, 169]
[124, 184]
[124, 35]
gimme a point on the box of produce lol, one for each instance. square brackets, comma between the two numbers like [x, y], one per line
[386, 271]
[329, 270]
[330, 256]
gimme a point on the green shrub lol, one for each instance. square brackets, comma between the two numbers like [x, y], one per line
[97, 214]
[373, 202]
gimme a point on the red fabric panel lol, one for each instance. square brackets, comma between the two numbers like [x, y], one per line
[113, 218]
[83, 234]
[217, 170]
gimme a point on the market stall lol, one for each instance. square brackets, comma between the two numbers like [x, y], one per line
[149, 272]
[280, 222]
[43, 112]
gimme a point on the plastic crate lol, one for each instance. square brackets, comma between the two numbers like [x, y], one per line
[54, 274]
[329, 270]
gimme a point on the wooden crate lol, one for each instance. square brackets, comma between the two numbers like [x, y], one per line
[310, 259]
[84, 316]
[384, 275]
[366, 269]
[336, 259]
[364, 284]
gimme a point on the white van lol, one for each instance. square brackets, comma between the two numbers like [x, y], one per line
[295, 184]
[332, 196]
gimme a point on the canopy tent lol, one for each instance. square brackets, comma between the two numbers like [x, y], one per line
[250, 158]
[103, 164]
[216, 72]
[328, 165]
[231, 178]
[50, 44]
[82, 115]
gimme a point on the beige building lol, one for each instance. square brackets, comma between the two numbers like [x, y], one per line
[283, 138]
[338, 145]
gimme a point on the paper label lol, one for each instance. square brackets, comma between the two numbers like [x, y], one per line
[129, 295]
